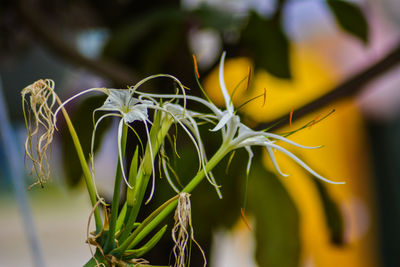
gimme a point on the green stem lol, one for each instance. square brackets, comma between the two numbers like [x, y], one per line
[85, 168]
[110, 244]
[218, 156]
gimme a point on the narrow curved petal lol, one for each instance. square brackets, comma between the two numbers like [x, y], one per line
[274, 162]
[95, 128]
[227, 98]
[166, 172]
[302, 164]
[153, 184]
[103, 90]
[189, 125]
[251, 155]
[121, 159]
[137, 85]
[92, 150]
[211, 106]
[193, 127]
[222, 122]
[286, 140]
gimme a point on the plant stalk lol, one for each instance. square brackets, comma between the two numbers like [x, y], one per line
[85, 168]
[110, 244]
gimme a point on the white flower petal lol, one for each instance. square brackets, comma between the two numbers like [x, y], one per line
[224, 120]
[121, 159]
[103, 90]
[166, 172]
[251, 155]
[228, 102]
[115, 100]
[274, 162]
[136, 112]
[284, 139]
[302, 164]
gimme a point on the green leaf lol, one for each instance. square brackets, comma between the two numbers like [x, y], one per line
[82, 120]
[121, 218]
[277, 219]
[138, 29]
[135, 253]
[267, 45]
[133, 170]
[148, 41]
[334, 218]
[141, 231]
[350, 18]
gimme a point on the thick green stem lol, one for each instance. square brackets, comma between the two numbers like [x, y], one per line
[110, 244]
[85, 168]
[218, 156]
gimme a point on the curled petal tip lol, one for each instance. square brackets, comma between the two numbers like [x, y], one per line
[224, 120]
[331, 182]
[216, 128]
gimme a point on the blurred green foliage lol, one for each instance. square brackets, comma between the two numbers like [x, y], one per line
[350, 18]
[267, 44]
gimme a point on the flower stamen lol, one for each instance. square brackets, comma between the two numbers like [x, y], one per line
[195, 66]
[248, 78]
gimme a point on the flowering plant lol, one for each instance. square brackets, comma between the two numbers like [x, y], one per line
[119, 233]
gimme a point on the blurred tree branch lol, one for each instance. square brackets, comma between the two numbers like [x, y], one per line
[49, 37]
[123, 76]
[348, 88]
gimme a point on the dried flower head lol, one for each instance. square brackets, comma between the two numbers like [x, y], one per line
[39, 98]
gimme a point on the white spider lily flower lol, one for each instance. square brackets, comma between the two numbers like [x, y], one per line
[237, 135]
[128, 108]
[187, 120]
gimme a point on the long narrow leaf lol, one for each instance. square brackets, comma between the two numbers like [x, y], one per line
[131, 240]
[135, 253]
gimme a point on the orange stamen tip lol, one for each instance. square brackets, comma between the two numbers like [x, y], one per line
[290, 118]
[314, 121]
[246, 222]
[248, 78]
[195, 66]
